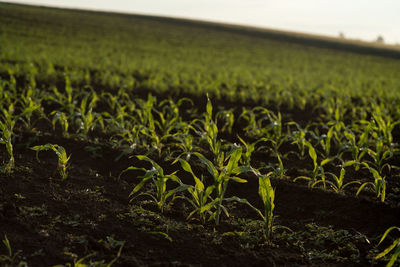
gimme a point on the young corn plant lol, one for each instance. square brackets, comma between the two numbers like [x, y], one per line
[318, 174]
[129, 139]
[62, 156]
[210, 134]
[249, 149]
[326, 141]
[298, 137]
[261, 122]
[395, 246]
[156, 175]
[7, 123]
[357, 151]
[68, 100]
[62, 119]
[30, 103]
[338, 185]
[379, 184]
[267, 195]
[121, 118]
[201, 199]
[381, 154]
[228, 119]
[169, 116]
[184, 144]
[144, 117]
[10, 259]
[383, 125]
[86, 118]
[222, 175]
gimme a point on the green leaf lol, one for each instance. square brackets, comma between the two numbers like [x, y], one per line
[176, 190]
[375, 173]
[302, 178]
[139, 186]
[173, 177]
[210, 167]
[209, 205]
[209, 107]
[233, 160]
[325, 161]
[242, 169]
[362, 187]
[388, 249]
[239, 180]
[311, 152]
[342, 174]
[208, 191]
[387, 232]
[349, 163]
[155, 165]
[395, 255]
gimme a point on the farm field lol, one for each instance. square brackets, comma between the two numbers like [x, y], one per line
[128, 140]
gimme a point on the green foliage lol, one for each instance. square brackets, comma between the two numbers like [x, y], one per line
[200, 195]
[338, 184]
[62, 157]
[10, 259]
[318, 174]
[7, 123]
[85, 79]
[156, 175]
[395, 246]
[379, 184]
[227, 171]
[267, 194]
[87, 262]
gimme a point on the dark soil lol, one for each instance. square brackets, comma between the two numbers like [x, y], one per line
[47, 219]
[89, 214]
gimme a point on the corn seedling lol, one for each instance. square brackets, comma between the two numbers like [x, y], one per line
[338, 185]
[86, 118]
[66, 101]
[261, 122]
[30, 103]
[318, 173]
[10, 259]
[62, 119]
[267, 195]
[184, 144]
[381, 154]
[379, 184]
[326, 141]
[384, 125]
[298, 137]
[357, 151]
[228, 119]
[279, 171]
[82, 262]
[131, 139]
[210, 134]
[7, 123]
[201, 199]
[61, 155]
[169, 117]
[223, 175]
[144, 116]
[395, 246]
[249, 149]
[160, 180]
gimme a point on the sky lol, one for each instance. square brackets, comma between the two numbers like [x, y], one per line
[356, 19]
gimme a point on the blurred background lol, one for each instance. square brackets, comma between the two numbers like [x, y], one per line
[372, 21]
